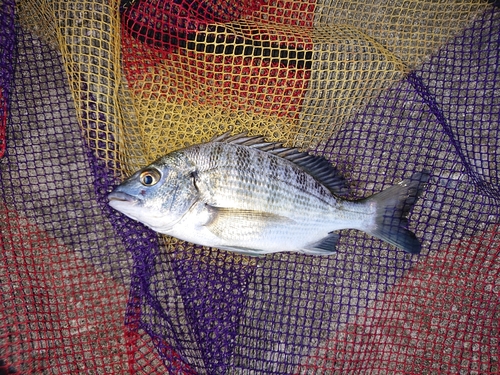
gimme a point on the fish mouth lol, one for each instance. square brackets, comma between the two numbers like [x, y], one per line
[117, 196]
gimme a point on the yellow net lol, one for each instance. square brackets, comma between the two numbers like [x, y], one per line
[327, 59]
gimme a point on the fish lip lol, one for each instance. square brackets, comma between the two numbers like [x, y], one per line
[121, 197]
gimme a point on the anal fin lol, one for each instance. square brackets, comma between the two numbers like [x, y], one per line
[325, 246]
[243, 251]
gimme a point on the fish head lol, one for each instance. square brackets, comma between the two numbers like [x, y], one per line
[158, 195]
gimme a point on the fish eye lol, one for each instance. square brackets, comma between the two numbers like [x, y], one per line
[150, 177]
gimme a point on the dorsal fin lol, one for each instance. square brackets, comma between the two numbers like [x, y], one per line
[316, 166]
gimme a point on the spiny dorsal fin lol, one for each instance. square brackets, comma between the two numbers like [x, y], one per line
[316, 166]
[242, 139]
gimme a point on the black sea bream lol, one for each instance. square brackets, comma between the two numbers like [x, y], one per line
[246, 195]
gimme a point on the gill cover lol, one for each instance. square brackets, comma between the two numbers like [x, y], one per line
[158, 195]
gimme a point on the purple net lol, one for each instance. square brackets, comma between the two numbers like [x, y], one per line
[7, 42]
[50, 223]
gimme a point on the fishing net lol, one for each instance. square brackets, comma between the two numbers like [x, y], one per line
[92, 90]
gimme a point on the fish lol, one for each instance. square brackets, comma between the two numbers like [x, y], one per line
[243, 194]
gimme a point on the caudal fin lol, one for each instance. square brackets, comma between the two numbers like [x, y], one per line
[392, 207]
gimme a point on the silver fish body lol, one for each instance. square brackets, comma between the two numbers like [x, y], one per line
[242, 194]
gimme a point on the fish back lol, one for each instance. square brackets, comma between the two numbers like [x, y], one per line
[248, 178]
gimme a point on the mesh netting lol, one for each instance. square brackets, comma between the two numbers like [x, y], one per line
[7, 41]
[90, 91]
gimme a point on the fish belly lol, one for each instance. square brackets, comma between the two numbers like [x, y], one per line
[250, 233]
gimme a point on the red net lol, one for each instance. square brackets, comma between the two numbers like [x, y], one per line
[441, 318]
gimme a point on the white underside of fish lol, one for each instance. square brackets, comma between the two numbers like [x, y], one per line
[260, 233]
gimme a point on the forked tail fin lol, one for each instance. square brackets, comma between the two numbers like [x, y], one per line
[392, 207]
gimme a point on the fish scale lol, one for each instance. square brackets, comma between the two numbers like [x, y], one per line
[243, 194]
[270, 185]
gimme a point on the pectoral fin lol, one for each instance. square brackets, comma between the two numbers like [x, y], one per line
[239, 224]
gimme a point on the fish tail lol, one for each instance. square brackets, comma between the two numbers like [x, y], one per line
[392, 207]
